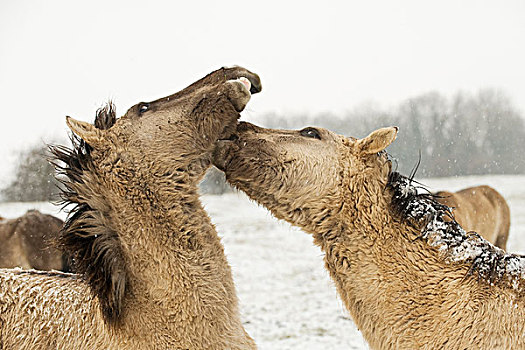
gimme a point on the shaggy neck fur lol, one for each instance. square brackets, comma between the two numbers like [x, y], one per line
[411, 279]
[423, 212]
[92, 244]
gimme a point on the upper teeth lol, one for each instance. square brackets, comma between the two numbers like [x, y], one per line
[246, 82]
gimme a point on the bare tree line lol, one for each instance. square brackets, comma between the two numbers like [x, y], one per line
[460, 135]
[34, 177]
[464, 134]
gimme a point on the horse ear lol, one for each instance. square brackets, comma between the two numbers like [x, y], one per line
[378, 140]
[86, 131]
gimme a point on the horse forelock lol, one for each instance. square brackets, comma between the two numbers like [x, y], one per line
[87, 237]
[438, 228]
[106, 116]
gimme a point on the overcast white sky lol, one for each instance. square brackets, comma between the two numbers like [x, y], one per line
[61, 58]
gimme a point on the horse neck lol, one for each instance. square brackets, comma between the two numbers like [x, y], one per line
[373, 259]
[175, 260]
[400, 289]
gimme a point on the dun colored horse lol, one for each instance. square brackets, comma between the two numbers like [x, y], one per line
[410, 276]
[481, 209]
[26, 242]
[152, 273]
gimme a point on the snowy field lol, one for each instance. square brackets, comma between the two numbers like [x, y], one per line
[286, 296]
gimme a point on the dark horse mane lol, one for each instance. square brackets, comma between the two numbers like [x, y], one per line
[438, 228]
[87, 238]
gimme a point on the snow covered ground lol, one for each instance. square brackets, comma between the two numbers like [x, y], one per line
[287, 298]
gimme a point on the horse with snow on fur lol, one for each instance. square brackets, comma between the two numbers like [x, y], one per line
[409, 275]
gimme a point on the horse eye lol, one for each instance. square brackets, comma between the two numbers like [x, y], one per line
[311, 132]
[143, 107]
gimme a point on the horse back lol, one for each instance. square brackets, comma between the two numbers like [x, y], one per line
[26, 242]
[481, 209]
[35, 304]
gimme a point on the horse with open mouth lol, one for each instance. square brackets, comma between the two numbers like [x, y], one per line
[152, 273]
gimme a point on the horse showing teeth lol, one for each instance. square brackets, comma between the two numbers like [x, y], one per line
[152, 273]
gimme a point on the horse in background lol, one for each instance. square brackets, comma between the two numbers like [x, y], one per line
[26, 242]
[480, 209]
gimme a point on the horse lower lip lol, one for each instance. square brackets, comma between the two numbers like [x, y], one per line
[221, 155]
